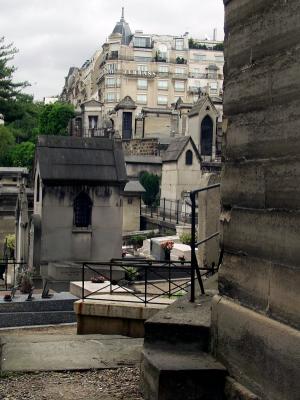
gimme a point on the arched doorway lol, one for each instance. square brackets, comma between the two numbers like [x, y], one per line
[206, 136]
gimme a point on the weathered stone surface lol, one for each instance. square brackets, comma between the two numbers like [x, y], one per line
[235, 391]
[260, 284]
[269, 234]
[262, 354]
[260, 184]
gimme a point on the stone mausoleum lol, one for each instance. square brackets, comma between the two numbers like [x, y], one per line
[78, 210]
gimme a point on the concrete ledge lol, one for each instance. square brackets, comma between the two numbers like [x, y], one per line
[119, 317]
[260, 353]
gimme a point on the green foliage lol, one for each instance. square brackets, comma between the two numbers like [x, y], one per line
[7, 142]
[151, 184]
[137, 240]
[54, 118]
[193, 44]
[10, 241]
[131, 273]
[180, 60]
[9, 90]
[22, 155]
[186, 238]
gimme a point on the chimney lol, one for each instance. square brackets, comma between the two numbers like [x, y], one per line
[215, 34]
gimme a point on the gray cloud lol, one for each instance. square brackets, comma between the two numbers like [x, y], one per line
[53, 35]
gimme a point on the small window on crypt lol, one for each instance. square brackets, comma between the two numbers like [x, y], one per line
[189, 157]
[82, 210]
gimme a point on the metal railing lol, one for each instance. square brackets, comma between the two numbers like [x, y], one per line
[10, 267]
[173, 211]
[158, 279]
[194, 263]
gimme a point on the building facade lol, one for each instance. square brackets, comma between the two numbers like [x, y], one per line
[154, 70]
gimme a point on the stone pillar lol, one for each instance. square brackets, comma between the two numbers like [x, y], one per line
[256, 318]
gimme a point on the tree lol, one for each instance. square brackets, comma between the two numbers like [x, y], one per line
[9, 90]
[54, 118]
[7, 142]
[22, 155]
[151, 185]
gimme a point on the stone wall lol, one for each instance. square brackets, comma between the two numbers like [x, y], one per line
[141, 147]
[261, 199]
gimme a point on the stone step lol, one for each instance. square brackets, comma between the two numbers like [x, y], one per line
[168, 373]
[12, 319]
[183, 323]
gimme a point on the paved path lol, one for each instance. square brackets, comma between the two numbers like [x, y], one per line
[57, 352]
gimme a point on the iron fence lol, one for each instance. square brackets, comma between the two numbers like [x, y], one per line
[173, 211]
[159, 279]
[10, 268]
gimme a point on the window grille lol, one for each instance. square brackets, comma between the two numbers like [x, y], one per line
[189, 157]
[82, 210]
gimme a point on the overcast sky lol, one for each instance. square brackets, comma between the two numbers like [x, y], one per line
[53, 35]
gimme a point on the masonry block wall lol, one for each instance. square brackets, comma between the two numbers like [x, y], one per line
[141, 147]
[256, 319]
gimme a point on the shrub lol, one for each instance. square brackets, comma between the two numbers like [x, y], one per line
[131, 273]
[186, 238]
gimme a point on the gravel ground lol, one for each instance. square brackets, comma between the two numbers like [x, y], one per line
[114, 384]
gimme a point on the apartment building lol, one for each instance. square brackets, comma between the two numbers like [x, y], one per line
[153, 70]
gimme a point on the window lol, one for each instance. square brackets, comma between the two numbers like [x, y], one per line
[219, 58]
[110, 97]
[199, 57]
[142, 84]
[111, 68]
[110, 82]
[179, 44]
[189, 157]
[38, 189]
[141, 98]
[82, 210]
[93, 121]
[139, 41]
[163, 68]
[142, 68]
[162, 100]
[162, 85]
[179, 86]
[179, 70]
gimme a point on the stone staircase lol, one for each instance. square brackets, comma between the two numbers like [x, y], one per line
[56, 310]
[176, 363]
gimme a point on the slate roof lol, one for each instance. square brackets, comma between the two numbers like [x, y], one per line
[199, 104]
[176, 148]
[123, 29]
[134, 187]
[139, 159]
[74, 159]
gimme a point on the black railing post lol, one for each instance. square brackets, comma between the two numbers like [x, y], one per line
[110, 277]
[169, 279]
[146, 279]
[164, 210]
[193, 228]
[177, 212]
[151, 208]
[82, 276]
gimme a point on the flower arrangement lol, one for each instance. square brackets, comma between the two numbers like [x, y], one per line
[98, 279]
[167, 246]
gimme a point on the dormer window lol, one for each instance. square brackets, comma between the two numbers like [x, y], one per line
[141, 41]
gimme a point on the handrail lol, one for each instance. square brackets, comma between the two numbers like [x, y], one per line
[194, 263]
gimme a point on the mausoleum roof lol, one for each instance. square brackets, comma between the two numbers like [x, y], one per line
[176, 148]
[75, 159]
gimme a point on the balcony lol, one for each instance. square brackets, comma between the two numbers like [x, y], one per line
[97, 132]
